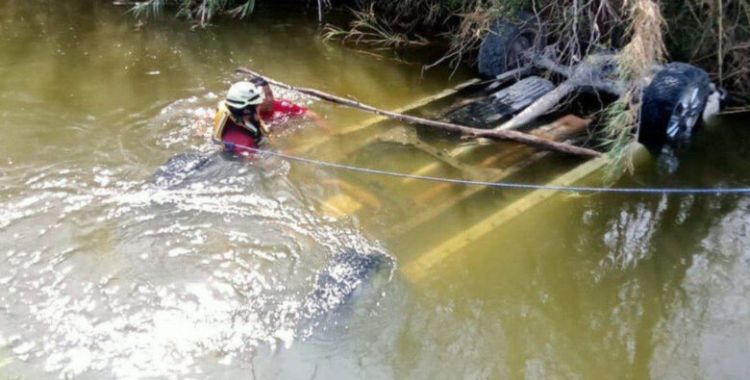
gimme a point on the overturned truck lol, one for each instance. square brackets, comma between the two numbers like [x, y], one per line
[526, 91]
[675, 98]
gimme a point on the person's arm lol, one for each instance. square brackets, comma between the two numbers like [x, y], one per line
[291, 109]
[320, 121]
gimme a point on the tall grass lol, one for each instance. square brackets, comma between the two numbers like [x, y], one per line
[713, 34]
[367, 28]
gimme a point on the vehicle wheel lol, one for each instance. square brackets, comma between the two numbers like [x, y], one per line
[502, 49]
[672, 105]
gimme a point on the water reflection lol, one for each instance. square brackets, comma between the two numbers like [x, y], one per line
[614, 278]
[707, 325]
[628, 238]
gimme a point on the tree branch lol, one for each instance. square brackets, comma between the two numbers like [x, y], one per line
[520, 137]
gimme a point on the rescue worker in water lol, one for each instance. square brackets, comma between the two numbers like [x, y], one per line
[242, 119]
[237, 123]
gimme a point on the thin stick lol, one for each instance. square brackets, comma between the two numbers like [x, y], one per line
[520, 137]
[720, 55]
[320, 12]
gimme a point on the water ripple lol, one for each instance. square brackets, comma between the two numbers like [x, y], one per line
[145, 281]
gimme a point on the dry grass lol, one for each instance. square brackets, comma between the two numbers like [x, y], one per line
[475, 21]
[637, 59]
[617, 134]
[645, 47]
[368, 29]
[713, 34]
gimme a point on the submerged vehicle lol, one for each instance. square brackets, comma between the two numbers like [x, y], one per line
[526, 90]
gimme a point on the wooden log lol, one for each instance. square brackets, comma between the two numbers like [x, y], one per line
[520, 137]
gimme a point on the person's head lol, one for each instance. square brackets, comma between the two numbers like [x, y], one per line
[243, 100]
[267, 93]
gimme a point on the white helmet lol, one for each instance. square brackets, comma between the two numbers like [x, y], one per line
[243, 94]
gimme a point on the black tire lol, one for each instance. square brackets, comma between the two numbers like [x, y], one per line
[501, 49]
[664, 104]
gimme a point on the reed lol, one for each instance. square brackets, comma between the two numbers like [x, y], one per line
[645, 49]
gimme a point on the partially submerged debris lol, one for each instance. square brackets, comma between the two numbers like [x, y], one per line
[672, 97]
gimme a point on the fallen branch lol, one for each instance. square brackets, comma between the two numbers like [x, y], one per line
[520, 137]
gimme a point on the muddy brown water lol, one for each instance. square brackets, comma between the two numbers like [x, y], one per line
[104, 275]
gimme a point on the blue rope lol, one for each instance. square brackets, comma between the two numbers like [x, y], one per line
[505, 185]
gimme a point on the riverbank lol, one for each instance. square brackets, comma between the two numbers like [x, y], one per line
[710, 34]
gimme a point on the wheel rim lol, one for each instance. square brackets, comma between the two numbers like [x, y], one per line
[684, 117]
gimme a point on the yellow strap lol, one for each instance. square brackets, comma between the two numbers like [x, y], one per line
[223, 115]
[220, 120]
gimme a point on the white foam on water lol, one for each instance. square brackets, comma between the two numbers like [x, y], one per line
[152, 280]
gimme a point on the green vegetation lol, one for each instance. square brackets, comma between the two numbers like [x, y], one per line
[713, 34]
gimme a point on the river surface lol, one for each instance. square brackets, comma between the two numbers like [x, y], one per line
[242, 272]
